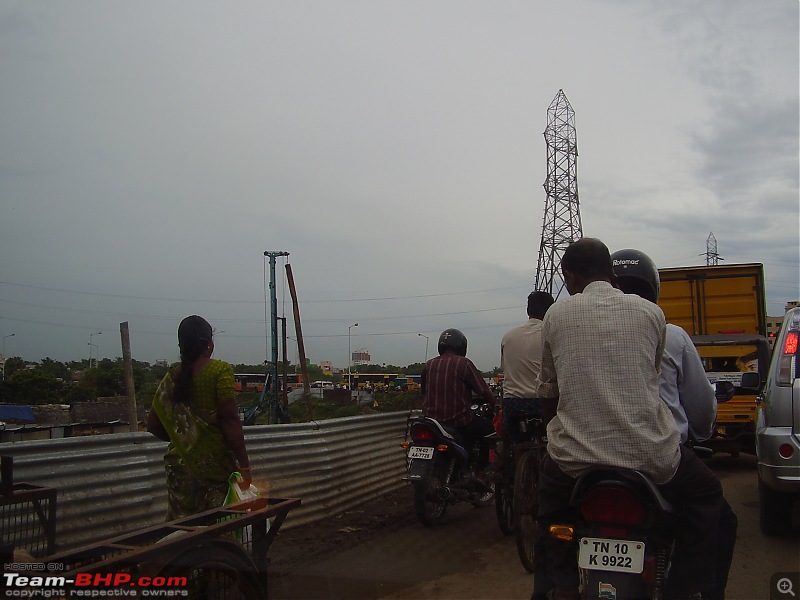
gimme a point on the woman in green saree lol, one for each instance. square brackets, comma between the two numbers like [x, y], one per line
[194, 409]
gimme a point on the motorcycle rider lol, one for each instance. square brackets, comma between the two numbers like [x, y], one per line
[684, 387]
[448, 382]
[599, 382]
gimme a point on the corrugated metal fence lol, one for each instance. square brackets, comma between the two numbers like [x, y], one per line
[113, 484]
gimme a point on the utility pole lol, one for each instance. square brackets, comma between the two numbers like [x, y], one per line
[562, 217]
[130, 390]
[273, 323]
[301, 349]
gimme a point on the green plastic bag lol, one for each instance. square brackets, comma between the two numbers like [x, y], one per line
[238, 495]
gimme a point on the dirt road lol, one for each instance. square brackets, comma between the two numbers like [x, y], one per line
[381, 552]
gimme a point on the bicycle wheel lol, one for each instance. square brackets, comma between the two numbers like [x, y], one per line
[219, 569]
[504, 505]
[526, 483]
[504, 491]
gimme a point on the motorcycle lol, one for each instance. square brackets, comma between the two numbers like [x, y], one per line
[625, 529]
[442, 469]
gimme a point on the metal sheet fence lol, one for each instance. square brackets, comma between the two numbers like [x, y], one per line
[113, 484]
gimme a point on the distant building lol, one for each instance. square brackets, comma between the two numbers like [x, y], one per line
[361, 357]
[162, 362]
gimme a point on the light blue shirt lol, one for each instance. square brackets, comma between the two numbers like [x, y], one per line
[685, 388]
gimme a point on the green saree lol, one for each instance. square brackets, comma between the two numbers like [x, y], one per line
[198, 460]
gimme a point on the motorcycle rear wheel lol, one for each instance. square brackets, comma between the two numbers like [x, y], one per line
[526, 484]
[428, 504]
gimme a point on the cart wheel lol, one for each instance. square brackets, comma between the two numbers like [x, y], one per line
[218, 569]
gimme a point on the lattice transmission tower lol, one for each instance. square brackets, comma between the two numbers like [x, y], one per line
[712, 257]
[562, 217]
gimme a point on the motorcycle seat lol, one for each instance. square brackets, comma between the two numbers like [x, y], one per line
[634, 480]
[443, 430]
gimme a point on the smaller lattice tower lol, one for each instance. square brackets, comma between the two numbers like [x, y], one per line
[712, 258]
[562, 217]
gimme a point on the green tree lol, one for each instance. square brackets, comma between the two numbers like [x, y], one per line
[56, 369]
[32, 386]
[415, 368]
[13, 364]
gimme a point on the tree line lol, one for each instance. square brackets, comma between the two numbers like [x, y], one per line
[52, 382]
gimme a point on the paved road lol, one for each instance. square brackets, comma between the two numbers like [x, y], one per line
[468, 556]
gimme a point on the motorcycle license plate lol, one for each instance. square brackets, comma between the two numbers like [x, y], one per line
[601, 554]
[425, 452]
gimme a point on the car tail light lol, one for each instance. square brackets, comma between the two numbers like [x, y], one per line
[786, 451]
[420, 433]
[612, 505]
[790, 345]
[788, 361]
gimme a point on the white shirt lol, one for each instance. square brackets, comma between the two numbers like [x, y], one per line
[521, 359]
[601, 358]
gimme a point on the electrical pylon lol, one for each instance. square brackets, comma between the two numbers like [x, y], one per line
[712, 258]
[562, 216]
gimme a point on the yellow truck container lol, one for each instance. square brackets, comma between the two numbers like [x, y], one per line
[723, 309]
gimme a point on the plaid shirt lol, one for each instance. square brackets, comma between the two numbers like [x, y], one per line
[448, 382]
[601, 360]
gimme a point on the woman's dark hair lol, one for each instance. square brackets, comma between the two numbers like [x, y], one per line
[194, 336]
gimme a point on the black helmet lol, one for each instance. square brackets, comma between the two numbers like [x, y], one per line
[453, 340]
[636, 273]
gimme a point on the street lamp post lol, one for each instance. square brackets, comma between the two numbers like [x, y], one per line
[426, 345]
[349, 358]
[4, 353]
[90, 344]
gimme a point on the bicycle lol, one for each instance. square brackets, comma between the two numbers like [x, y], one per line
[504, 485]
[516, 485]
[526, 488]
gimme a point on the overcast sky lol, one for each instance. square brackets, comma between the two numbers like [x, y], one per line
[150, 152]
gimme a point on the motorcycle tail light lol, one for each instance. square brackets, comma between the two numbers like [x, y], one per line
[612, 505]
[420, 433]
